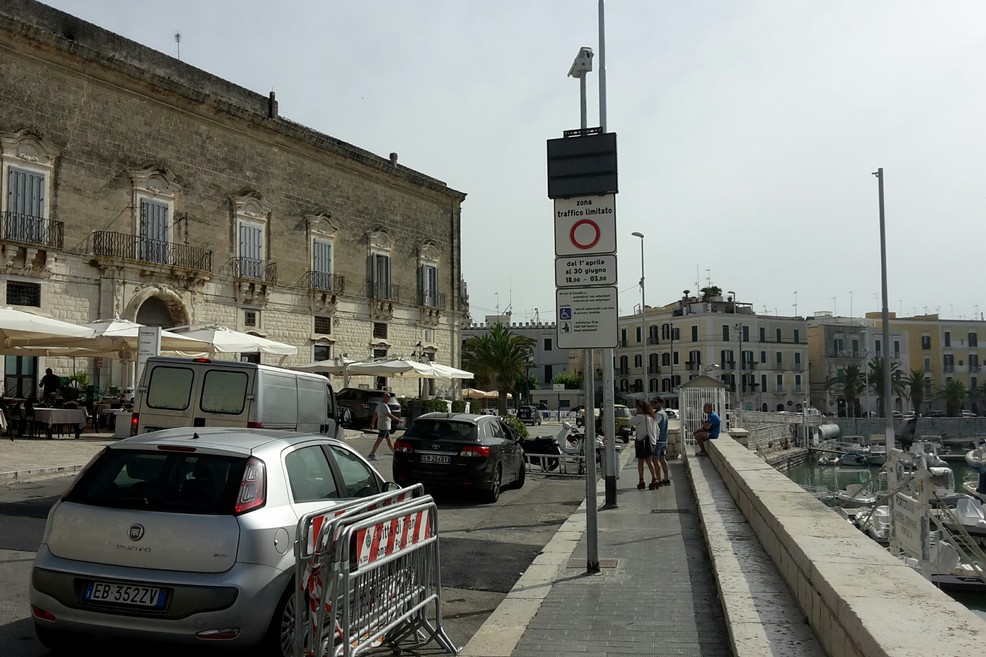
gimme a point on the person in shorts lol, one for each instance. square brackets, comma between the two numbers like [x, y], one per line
[709, 431]
[382, 418]
[644, 426]
[660, 455]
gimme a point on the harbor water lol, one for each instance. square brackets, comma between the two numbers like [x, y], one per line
[816, 478]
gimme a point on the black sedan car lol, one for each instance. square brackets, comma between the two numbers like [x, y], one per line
[463, 451]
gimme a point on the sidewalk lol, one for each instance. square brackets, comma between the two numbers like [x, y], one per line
[25, 458]
[655, 595]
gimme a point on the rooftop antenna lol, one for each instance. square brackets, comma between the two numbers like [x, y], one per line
[795, 303]
[178, 41]
[537, 316]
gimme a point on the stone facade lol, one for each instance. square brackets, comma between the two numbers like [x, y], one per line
[264, 225]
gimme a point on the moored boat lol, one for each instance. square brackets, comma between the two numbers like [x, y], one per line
[976, 458]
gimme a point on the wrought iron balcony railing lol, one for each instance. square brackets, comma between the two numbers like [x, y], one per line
[383, 291]
[431, 299]
[326, 282]
[254, 269]
[35, 231]
[141, 249]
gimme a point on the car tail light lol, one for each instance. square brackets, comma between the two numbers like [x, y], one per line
[43, 614]
[255, 425]
[403, 447]
[253, 487]
[475, 451]
[134, 421]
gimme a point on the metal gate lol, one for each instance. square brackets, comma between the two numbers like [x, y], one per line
[370, 574]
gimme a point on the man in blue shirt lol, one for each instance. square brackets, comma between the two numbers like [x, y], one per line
[709, 430]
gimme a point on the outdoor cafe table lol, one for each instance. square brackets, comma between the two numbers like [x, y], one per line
[52, 417]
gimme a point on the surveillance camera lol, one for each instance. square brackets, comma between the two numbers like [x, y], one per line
[582, 63]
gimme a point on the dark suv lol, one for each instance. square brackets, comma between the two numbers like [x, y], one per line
[361, 403]
[529, 415]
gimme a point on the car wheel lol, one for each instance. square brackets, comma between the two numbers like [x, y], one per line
[493, 494]
[279, 639]
[61, 640]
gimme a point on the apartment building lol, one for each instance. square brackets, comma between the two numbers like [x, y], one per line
[763, 359]
[135, 185]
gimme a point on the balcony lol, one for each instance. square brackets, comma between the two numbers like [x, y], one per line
[254, 270]
[431, 299]
[164, 255]
[383, 291]
[621, 371]
[652, 340]
[31, 231]
[321, 281]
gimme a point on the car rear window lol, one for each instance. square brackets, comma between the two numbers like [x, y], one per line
[161, 481]
[170, 388]
[442, 429]
[224, 392]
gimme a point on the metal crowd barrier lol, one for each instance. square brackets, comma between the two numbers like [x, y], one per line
[369, 573]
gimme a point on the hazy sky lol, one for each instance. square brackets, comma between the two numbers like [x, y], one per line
[747, 131]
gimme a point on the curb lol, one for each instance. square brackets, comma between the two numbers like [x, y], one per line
[37, 473]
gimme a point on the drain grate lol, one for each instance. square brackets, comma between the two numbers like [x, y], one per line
[671, 511]
[603, 563]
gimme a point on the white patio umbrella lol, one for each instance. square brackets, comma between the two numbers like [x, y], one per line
[23, 328]
[394, 367]
[475, 393]
[112, 337]
[227, 341]
[116, 338]
[328, 366]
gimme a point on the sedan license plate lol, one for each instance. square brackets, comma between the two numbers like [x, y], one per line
[125, 594]
[435, 458]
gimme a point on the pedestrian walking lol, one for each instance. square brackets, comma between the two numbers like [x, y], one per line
[660, 455]
[381, 421]
[709, 431]
[644, 426]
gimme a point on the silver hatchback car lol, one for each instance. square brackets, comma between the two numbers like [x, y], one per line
[187, 535]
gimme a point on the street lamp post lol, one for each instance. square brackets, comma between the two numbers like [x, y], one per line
[643, 315]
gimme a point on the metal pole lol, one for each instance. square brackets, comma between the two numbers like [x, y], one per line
[888, 416]
[643, 319]
[589, 455]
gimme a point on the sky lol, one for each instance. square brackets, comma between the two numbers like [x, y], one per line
[748, 132]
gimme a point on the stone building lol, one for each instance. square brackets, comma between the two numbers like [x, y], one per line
[135, 185]
[761, 359]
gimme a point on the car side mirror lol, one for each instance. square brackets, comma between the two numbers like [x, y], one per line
[345, 418]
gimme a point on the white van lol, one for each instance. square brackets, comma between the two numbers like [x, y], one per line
[200, 392]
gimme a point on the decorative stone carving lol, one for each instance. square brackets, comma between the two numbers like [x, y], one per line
[431, 316]
[252, 292]
[381, 310]
[379, 241]
[429, 252]
[323, 302]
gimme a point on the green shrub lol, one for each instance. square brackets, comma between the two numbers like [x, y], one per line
[435, 406]
[459, 406]
[516, 425]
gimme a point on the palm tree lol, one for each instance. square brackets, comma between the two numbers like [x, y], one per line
[954, 392]
[875, 381]
[852, 381]
[499, 357]
[914, 384]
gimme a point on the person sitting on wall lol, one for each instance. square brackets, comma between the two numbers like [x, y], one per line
[709, 431]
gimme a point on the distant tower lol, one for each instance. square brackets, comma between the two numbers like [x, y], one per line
[178, 41]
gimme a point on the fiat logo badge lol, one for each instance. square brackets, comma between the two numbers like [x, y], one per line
[136, 532]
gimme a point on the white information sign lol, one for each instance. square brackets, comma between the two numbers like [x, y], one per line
[582, 271]
[910, 525]
[587, 317]
[585, 225]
